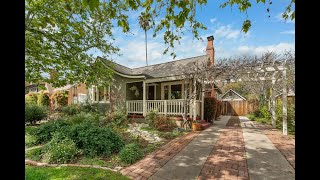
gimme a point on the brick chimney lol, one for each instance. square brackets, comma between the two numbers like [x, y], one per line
[210, 52]
[210, 49]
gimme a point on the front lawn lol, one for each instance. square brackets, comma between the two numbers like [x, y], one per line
[70, 173]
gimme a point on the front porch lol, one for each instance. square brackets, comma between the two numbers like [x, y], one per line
[167, 97]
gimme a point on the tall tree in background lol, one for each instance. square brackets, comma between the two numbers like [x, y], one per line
[144, 22]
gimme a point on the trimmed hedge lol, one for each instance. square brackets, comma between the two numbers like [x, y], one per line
[31, 98]
[43, 99]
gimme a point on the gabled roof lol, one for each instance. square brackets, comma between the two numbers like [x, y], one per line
[233, 92]
[167, 69]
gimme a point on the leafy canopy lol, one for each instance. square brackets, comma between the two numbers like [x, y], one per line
[60, 34]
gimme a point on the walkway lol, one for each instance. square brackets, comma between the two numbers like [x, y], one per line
[264, 160]
[230, 149]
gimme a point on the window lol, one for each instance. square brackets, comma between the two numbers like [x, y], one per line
[166, 92]
[82, 98]
[176, 91]
[100, 94]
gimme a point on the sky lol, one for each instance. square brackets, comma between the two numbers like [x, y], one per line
[266, 34]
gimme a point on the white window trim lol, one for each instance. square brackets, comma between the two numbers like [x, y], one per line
[94, 97]
[169, 89]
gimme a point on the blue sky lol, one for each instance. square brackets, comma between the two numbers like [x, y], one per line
[266, 34]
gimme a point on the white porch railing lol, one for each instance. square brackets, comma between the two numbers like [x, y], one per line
[165, 107]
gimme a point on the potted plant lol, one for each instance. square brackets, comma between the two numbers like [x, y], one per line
[196, 126]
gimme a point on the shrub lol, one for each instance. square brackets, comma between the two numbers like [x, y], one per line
[169, 135]
[209, 103]
[34, 113]
[60, 97]
[43, 99]
[70, 110]
[30, 140]
[35, 154]
[31, 98]
[163, 123]
[88, 108]
[45, 132]
[151, 116]
[60, 150]
[130, 153]
[290, 116]
[117, 118]
[96, 140]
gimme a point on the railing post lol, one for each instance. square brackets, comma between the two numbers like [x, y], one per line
[127, 107]
[165, 107]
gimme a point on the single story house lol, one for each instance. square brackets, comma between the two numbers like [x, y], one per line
[159, 86]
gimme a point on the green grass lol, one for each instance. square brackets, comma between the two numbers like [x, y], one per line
[35, 154]
[28, 129]
[93, 161]
[70, 173]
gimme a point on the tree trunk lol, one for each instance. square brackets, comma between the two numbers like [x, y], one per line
[145, 35]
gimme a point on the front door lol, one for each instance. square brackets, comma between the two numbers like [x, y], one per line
[151, 93]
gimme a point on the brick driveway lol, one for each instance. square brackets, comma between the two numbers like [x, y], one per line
[228, 158]
[146, 167]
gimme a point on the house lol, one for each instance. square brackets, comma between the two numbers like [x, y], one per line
[234, 104]
[159, 86]
[33, 87]
[232, 95]
[290, 96]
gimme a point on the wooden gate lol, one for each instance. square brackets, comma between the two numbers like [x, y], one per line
[235, 108]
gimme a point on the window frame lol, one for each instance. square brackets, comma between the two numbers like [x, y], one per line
[95, 96]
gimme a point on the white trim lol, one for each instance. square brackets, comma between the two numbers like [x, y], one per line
[233, 92]
[163, 79]
[96, 95]
[169, 89]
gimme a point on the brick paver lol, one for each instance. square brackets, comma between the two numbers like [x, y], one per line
[227, 160]
[285, 144]
[146, 167]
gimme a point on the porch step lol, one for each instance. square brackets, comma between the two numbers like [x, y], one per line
[205, 125]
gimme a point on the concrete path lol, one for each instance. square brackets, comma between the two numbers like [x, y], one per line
[187, 164]
[264, 160]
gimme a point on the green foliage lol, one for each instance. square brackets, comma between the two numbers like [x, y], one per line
[117, 118]
[130, 153]
[60, 97]
[35, 154]
[88, 108]
[95, 140]
[169, 135]
[209, 103]
[71, 110]
[151, 116]
[34, 113]
[60, 150]
[43, 99]
[290, 116]
[45, 131]
[71, 173]
[30, 140]
[31, 98]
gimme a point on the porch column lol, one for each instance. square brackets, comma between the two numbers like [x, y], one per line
[194, 100]
[273, 104]
[144, 99]
[202, 104]
[284, 102]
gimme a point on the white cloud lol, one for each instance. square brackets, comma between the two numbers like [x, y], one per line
[213, 20]
[227, 32]
[288, 32]
[258, 50]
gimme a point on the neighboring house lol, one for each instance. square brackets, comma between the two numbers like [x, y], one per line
[217, 92]
[232, 95]
[290, 96]
[33, 87]
[159, 86]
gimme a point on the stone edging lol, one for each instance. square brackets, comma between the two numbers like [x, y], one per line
[35, 163]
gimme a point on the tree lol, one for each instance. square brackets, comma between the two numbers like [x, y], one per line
[60, 35]
[144, 22]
